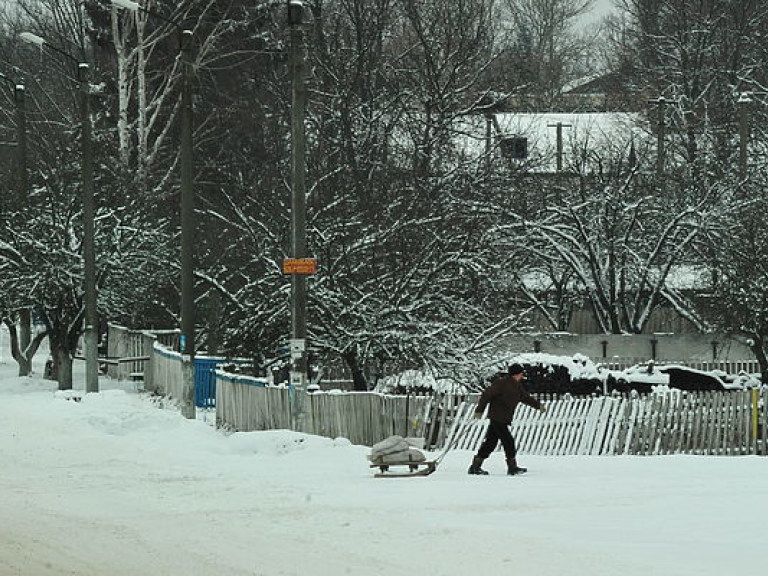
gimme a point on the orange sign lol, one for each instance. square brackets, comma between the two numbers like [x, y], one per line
[299, 265]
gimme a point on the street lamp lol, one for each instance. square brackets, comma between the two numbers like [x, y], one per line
[22, 186]
[89, 250]
[187, 337]
[19, 102]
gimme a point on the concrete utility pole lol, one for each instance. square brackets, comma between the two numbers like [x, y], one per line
[22, 193]
[298, 347]
[90, 333]
[22, 175]
[660, 134]
[22, 183]
[187, 209]
[187, 230]
[559, 132]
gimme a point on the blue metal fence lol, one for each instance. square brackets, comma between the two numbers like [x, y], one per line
[205, 379]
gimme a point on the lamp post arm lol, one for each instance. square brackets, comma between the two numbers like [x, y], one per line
[34, 39]
[30, 38]
[136, 7]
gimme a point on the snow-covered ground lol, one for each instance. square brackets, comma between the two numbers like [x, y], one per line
[117, 485]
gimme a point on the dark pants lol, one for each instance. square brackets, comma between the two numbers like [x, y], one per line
[497, 431]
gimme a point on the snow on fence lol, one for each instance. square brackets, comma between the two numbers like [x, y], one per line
[245, 404]
[727, 366]
[129, 351]
[165, 373]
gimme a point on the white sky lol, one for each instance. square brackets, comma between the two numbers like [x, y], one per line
[602, 8]
[118, 485]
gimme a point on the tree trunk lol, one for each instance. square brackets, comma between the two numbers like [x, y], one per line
[25, 365]
[762, 358]
[123, 95]
[64, 345]
[13, 336]
[25, 338]
[62, 365]
[23, 347]
[214, 316]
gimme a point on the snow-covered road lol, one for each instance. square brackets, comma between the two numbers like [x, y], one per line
[115, 485]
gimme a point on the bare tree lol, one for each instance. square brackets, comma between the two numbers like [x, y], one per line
[740, 300]
[619, 238]
[556, 48]
[699, 56]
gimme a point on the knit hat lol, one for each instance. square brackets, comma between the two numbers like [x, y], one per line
[516, 369]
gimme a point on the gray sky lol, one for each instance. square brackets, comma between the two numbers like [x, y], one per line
[601, 8]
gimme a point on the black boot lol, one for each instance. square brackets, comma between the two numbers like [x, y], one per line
[513, 469]
[475, 469]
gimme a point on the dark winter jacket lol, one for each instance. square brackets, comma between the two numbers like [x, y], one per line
[502, 397]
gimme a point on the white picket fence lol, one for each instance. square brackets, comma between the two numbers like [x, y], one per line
[129, 351]
[717, 423]
[723, 423]
[165, 376]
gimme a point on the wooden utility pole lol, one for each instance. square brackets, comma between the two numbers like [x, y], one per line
[661, 103]
[488, 142]
[559, 143]
[744, 101]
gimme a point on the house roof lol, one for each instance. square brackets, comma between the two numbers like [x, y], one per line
[604, 132]
[683, 277]
[611, 83]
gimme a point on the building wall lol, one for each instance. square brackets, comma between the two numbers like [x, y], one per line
[713, 347]
[661, 320]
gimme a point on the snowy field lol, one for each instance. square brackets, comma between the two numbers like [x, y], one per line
[115, 485]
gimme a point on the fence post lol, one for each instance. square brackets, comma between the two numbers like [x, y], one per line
[754, 414]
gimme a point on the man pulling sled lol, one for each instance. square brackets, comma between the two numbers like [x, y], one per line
[502, 397]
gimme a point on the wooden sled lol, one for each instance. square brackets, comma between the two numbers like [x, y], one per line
[415, 469]
[426, 467]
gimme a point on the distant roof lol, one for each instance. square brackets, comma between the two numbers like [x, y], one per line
[685, 277]
[611, 83]
[689, 277]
